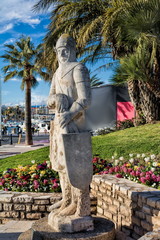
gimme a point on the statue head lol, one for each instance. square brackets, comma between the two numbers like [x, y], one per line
[66, 49]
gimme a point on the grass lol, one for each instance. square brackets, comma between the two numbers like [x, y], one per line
[142, 139]
[39, 155]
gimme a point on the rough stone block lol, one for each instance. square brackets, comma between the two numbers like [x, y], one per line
[140, 214]
[41, 202]
[34, 208]
[138, 230]
[70, 224]
[126, 231]
[146, 209]
[4, 198]
[33, 215]
[125, 211]
[28, 208]
[136, 221]
[42, 208]
[7, 207]
[113, 209]
[108, 214]
[23, 199]
[121, 199]
[152, 201]
[19, 207]
[100, 210]
[146, 225]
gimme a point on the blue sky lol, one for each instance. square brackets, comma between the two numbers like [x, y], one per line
[17, 18]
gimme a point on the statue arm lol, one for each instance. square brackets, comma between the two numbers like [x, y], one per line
[52, 94]
[82, 84]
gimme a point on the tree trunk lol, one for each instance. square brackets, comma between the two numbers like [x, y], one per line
[150, 104]
[134, 93]
[28, 138]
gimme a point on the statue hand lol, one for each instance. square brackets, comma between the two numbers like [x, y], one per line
[64, 119]
[51, 101]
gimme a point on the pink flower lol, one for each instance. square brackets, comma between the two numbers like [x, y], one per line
[133, 173]
[143, 179]
[36, 184]
[142, 174]
[119, 175]
[45, 181]
[117, 169]
[138, 173]
[111, 170]
[55, 185]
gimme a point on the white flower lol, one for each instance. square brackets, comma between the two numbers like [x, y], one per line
[131, 154]
[33, 161]
[155, 164]
[121, 158]
[48, 163]
[153, 169]
[131, 160]
[112, 157]
[138, 155]
[146, 159]
[116, 162]
[143, 155]
[153, 156]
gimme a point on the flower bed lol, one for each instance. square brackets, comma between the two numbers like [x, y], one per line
[139, 168]
[30, 178]
[41, 178]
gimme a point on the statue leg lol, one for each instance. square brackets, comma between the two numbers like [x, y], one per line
[70, 209]
[66, 194]
[83, 204]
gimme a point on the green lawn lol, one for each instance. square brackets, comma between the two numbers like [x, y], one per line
[39, 156]
[142, 139]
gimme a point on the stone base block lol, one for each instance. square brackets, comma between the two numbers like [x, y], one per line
[70, 224]
[103, 230]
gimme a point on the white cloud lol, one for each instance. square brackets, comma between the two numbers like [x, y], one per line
[39, 99]
[6, 28]
[17, 11]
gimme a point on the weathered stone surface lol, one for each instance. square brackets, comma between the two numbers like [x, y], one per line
[151, 236]
[104, 230]
[6, 197]
[19, 207]
[70, 224]
[41, 202]
[23, 199]
[33, 215]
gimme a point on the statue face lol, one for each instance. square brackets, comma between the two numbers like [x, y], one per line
[63, 54]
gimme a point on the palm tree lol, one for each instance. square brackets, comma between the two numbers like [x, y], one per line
[22, 57]
[119, 27]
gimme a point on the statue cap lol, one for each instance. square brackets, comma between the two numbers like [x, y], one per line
[65, 40]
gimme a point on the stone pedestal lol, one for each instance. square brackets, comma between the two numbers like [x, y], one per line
[103, 230]
[70, 224]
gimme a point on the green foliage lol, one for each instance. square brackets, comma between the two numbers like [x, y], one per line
[141, 139]
[39, 156]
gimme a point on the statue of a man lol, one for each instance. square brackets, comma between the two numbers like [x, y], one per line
[70, 96]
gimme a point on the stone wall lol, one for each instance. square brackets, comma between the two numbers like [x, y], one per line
[29, 206]
[134, 208]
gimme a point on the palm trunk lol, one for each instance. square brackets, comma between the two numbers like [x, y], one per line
[28, 138]
[134, 93]
[150, 104]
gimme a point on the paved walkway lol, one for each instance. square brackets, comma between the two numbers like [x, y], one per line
[10, 150]
[12, 229]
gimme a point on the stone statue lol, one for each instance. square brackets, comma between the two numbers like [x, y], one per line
[70, 148]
